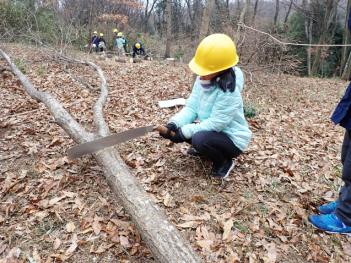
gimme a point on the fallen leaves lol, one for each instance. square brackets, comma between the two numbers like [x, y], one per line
[70, 227]
[96, 227]
[124, 241]
[73, 246]
[227, 229]
[205, 244]
[66, 207]
[271, 256]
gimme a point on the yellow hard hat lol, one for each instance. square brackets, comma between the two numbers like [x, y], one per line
[115, 30]
[95, 33]
[137, 45]
[215, 53]
[101, 34]
[120, 34]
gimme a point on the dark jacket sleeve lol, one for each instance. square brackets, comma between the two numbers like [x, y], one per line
[342, 112]
[350, 21]
[96, 40]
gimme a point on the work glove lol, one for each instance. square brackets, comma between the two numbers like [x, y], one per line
[178, 137]
[170, 127]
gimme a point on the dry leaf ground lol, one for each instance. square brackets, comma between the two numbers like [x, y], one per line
[53, 209]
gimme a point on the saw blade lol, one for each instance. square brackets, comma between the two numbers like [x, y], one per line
[108, 141]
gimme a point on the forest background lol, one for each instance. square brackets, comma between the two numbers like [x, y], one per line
[173, 28]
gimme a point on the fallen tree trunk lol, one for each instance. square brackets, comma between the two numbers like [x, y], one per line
[162, 238]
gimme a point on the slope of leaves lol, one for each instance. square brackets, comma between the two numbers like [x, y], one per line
[54, 209]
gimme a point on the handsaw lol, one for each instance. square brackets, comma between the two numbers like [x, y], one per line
[108, 141]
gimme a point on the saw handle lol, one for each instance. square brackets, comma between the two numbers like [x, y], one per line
[164, 130]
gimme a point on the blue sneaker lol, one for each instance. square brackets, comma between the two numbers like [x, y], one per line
[328, 208]
[329, 223]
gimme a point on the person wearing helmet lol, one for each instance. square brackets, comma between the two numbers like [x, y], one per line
[212, 120]
[335, 217]
[120, 34]
[119, 44]
[102, 43]
[94, 42]
[138, 49]
[114, 37]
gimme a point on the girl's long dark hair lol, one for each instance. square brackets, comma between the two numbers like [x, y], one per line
[226, 80]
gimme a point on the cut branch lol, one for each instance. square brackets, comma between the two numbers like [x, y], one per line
[163, 239]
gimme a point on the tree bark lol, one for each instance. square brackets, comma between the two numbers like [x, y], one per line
[206, 17]
[238, 9]
[241, 19]
[308, 17]
[168, 14]
[147, 13]
[288, 12]
[346, 50]
[255, 11]
[276, 14]
[330, 9]
[163, 239]
[347, 69]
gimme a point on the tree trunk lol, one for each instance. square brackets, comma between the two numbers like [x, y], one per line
[255, 11]
[330, 9]
[147, 13]
[308, 16]
[241, 19]
[288, 13]
[238, 9]
[276, 14]
[205, 23]
[347, 69]
[162, 238]
[347, 40]
[309, 49]
[168, 15]
[194, 11]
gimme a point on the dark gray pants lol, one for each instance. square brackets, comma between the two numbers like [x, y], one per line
[215, 145]
[343, 210]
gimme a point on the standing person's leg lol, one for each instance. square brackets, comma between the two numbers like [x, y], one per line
[344, 152]
[338, 218]
[219, 148]
[343, 209]
[331, 207]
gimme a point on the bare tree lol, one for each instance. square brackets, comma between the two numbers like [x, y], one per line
[255, 11]
[195, 11]
[346, 54]
[206, 19]
[288, 12]
[147, 12]
[241, 19]
[168, 15]
[330, 13]
[309, 16]
[276, 13]
[163, 239]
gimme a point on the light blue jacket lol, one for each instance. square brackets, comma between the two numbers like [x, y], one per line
[119, 42]
[217, 111]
